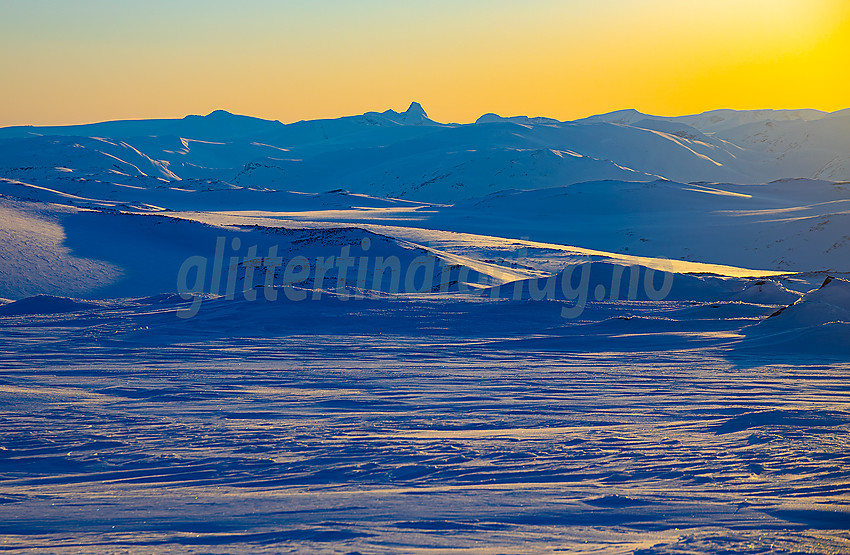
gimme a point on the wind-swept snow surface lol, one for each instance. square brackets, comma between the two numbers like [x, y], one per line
[377, 426]
[381, 333]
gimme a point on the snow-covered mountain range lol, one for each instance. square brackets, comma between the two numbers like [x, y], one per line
[112, 209]
[759, 188]
[407, 155]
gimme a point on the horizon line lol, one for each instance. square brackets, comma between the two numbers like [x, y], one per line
[225, 111]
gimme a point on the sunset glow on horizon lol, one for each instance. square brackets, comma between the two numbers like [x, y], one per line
[96, 60]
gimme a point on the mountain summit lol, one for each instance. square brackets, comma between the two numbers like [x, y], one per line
[414, 115]
[415, 109]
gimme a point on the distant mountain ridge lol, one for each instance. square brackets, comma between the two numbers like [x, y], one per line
[408, 155]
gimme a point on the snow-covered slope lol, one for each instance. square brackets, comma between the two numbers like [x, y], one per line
[818, 322]
[769, 144]
[62, 250]
[830, 303]
[792, 224]
[35, 257]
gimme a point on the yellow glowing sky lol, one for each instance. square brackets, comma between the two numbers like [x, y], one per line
[91, 60]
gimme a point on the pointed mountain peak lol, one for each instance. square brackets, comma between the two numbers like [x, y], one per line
[414, 115]
[416, 109]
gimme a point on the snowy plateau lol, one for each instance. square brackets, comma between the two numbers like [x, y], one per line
[385, 334]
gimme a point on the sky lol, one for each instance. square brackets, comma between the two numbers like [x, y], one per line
[64, 62]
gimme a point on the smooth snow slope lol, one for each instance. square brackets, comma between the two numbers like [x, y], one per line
[789, 225]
